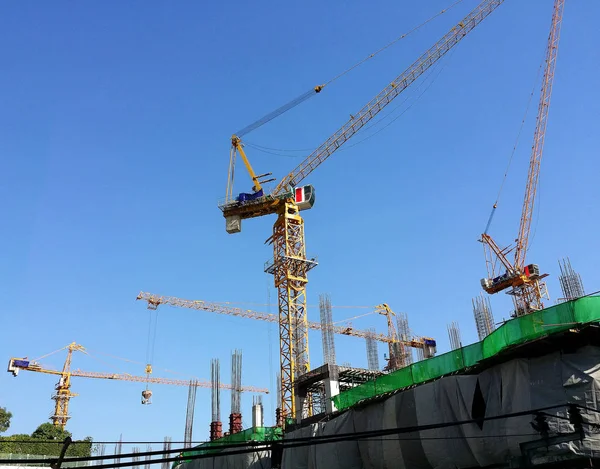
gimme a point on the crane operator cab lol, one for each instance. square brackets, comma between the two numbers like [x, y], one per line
[303, 197]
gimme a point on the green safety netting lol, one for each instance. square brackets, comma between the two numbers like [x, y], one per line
[516, 331]
[251, 434]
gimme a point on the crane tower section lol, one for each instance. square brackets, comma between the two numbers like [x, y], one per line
[290, 265]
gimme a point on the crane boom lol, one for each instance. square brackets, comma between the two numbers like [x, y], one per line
[290, 264]
[25, 365]
[63, 394]
[155, 300]
[386, 96]
[271, 203]
[524, 281]
[539, 135]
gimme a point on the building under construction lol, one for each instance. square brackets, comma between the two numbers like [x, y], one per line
[525, 395]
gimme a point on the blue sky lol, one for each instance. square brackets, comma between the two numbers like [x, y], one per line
[115, 121]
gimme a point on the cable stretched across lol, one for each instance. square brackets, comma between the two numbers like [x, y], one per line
[416, 28]
[317, 89]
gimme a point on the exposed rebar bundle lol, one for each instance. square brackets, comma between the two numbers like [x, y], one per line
[148, 457]
[118, 448]
[570, 281]
[189, 416]
[236, 381]
[135, 457]
[404, 335]
[454, 335]
[166, 448]
[484, 320]
[327, 335]
[372, 355]
[215, 393]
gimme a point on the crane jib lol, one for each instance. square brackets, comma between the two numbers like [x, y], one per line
[378, 103]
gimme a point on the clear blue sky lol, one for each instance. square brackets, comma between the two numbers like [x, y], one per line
[115, 120]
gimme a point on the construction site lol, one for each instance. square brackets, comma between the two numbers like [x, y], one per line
[525, 393]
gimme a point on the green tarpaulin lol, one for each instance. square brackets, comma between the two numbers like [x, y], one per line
[516, 331]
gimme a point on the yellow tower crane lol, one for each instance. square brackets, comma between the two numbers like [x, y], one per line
[524, 281]
[396, 344]
[63, 393]
[290, 264]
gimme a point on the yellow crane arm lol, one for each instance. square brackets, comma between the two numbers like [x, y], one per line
[24, 364]
[539, 135]
[379, 102]
[236, 145]
[155, 300]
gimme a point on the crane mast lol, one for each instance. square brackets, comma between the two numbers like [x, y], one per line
[290, 264]
[524, 281]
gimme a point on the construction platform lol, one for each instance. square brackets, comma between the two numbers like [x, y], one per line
[326, 382]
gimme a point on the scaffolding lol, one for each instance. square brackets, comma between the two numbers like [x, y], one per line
[570, 282]
[484, 320]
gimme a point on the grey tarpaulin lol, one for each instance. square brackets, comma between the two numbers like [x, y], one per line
[517, 385]
[251, 460]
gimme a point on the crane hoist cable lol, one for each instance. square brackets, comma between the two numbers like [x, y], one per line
[364, 129]
[514, 149]
[317, 89]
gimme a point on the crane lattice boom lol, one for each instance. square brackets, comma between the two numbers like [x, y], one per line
[32, 366]
[524, 281]
[155, 300]
[539, 135]
[63, 393]
[386, 96]
[290, 264]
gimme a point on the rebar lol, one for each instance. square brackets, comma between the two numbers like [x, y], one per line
[484, 320]
[215, 376]
[189, 416]
[454, 335]
[404, 335]
[135, 450]
[236, 381]
[327, 335]
[166, 449]
[570, 281]
[148, 457]
[372, 355]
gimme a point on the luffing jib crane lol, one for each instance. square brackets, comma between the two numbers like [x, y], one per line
[290, 264]
[397, 344]
[63, 393]
[524, 282]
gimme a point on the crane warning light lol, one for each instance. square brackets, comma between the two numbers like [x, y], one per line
[304, 197]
